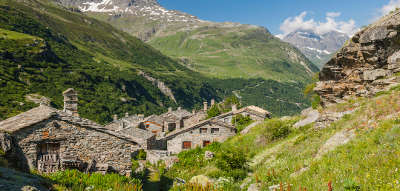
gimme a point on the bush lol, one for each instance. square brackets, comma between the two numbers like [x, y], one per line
[351, 185]
[231, 159]
[315, 101]
[141, 155]
[276, 129]
[213, 111]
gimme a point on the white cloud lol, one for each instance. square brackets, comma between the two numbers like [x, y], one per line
[331, 24]
[333, 14]
[391, 6]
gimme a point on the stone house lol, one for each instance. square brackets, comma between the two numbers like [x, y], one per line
[49, 140]
[216, 129]
[199, 135]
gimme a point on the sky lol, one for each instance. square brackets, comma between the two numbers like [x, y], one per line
[281, 17]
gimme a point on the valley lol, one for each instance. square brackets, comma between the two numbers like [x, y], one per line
[128, 95]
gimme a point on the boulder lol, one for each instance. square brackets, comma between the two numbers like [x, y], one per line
[371, 75]
[201, 179]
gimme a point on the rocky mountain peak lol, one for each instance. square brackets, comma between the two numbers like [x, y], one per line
[366, 64]
[317, 47]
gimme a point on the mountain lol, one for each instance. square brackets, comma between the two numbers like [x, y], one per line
[319, 48]
[367, 64]
[45, 49]
[224, 51]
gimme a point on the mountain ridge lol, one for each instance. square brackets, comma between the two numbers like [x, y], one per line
[319, 48]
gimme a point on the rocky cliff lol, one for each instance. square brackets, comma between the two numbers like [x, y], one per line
[368, 63]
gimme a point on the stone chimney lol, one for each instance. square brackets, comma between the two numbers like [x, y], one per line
[165, 126]
[71, 102]
[115, 117]
[193, 111]
[169, 109]
[205, 104]
[126, 114]
[212, 102]
[234, 107]
[141, 117]
[179, 108]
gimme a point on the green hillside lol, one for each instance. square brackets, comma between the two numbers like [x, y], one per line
[358, 152]
[45, 50]
[231, 52]
[240, 51]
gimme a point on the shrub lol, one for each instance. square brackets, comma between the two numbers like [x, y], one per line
[351, 185]
[241, 122]
[141, 155]
[213, 111]
[315, 101]
[276, 129]
[231, 159]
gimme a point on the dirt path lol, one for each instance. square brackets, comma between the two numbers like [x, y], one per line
[247, 129]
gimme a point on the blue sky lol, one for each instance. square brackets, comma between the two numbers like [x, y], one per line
[272, 13]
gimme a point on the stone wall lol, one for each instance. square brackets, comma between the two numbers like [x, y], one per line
[175, 144]
[77, 143]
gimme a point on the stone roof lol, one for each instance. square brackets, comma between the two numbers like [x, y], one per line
[27, 118]
[41, 113]
[139, 134]
[69, 90]
[255, 110]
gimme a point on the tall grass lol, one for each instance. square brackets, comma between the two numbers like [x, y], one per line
[75, 180]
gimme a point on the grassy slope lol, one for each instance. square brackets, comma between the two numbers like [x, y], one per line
[370, 161]
[67, 49]
[240, 55]
[233, 52]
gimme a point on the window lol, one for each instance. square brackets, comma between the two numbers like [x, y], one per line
[203, 130]
[205, 143]
[214, 130]
[187, 145]
[171, 126]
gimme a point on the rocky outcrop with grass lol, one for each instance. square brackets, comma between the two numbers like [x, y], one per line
[368, 63]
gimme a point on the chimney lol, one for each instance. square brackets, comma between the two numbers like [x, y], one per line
[141, 116]
[71, 102]
[126, 114]
[205, 104]
[179, 108]
[115, 117]
[234, 107]
[169, 109]
[193, 111]
[165, 126]
[212, 102]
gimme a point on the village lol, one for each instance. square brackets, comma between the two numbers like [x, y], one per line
[49, 140]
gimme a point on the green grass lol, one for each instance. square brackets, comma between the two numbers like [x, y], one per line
[369, 161]
[75, 180]
[6, 34]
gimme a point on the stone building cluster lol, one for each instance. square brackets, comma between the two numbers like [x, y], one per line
[48, 140]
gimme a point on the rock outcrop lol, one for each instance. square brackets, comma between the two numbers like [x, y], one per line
[367, 64]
